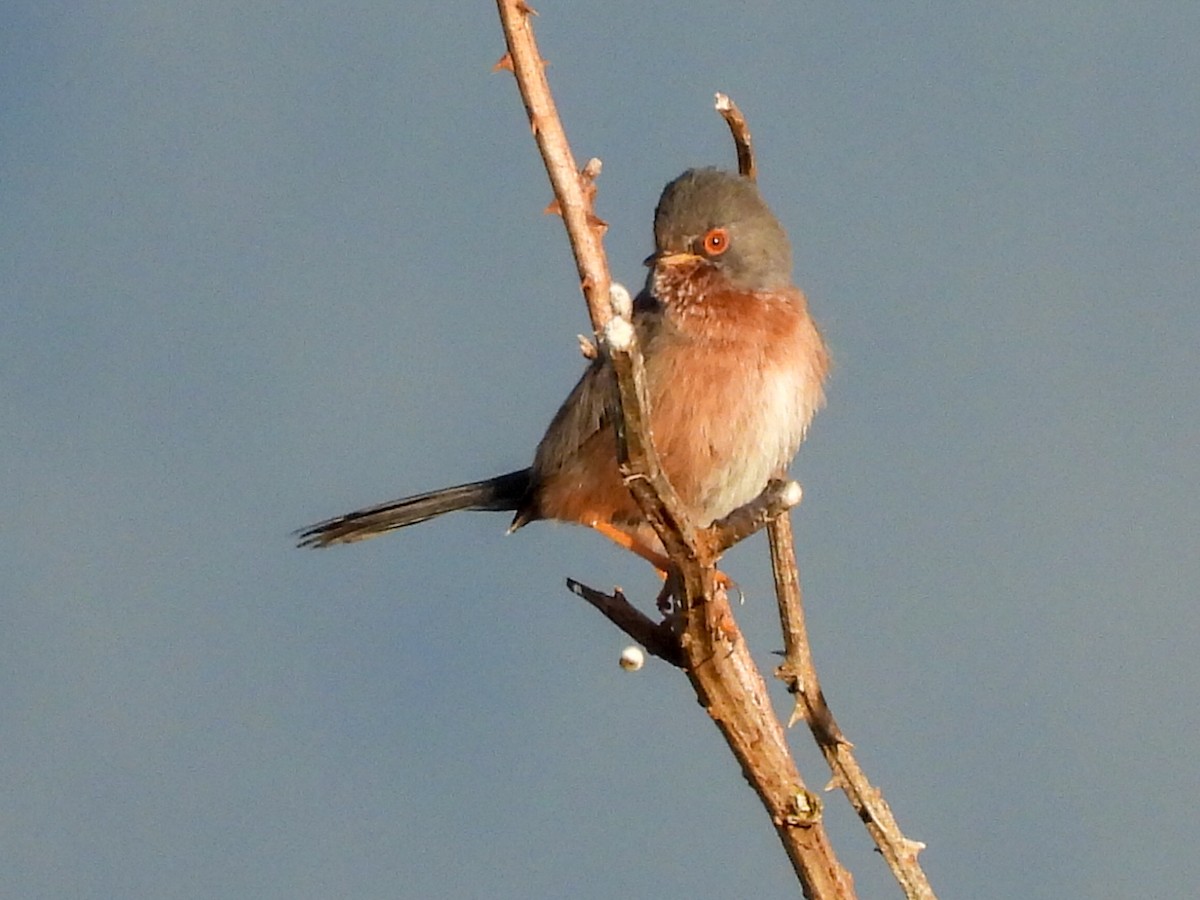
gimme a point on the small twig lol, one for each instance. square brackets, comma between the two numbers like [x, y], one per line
[656, 637]
[586, 348]
[777, 498]
[741, 135]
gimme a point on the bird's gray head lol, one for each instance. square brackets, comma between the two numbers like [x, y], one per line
[722, 219]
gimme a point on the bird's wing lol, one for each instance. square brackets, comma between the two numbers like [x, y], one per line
[585, 415]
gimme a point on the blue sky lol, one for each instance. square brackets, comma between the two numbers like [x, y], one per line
[265, 264]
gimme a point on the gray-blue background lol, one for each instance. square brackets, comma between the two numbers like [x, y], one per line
[262, 263]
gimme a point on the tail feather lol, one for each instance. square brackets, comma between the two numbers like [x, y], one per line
[499, 493]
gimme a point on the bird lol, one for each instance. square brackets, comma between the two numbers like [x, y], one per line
[735, 369]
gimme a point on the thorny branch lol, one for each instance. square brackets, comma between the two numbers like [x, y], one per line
[704, 640]
[799, 672]
[656, 637]
[574, 192]
[800, 675]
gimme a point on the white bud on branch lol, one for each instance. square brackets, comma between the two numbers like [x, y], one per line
[632, 658]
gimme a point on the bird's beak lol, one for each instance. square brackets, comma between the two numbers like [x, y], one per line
[667, 258]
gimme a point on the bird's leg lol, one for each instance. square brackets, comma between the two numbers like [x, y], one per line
[630, 542]
[661, 562]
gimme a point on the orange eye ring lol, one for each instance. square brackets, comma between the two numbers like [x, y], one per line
[715, 242]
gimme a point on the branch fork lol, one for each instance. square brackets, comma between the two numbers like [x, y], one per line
[702, 637]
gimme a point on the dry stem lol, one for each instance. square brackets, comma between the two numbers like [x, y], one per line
[741, 135]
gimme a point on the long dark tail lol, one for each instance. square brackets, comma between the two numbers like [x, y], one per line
[499, 493]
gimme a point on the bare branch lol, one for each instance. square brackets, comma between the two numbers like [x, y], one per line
[741, 135]
[656, 637]
[798, 670]
[776, 499]
[574, 202]
[714, 655]
[800, 675]
[574, 192]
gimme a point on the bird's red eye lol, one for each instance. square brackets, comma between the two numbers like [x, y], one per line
[716, 242]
